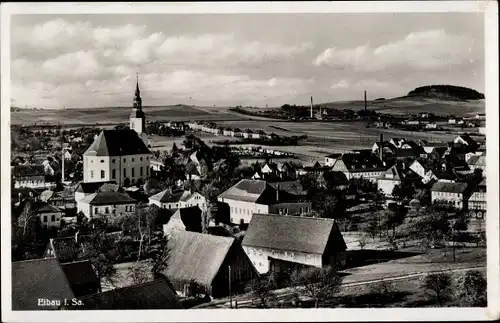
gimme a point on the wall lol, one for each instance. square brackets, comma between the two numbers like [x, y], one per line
[455, 198]
[117, 209]
[31, 181]
[110, 163]
[290, 208]
[243, 210]
[371, 176]
[387, 185]
[52, 219]
[195, 200]
[477, 201]
[259, 257]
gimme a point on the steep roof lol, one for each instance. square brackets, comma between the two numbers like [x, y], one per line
[166, 196]
[80, 273]
[91, 187]
[477, 160]
[248, 190]
[291, 187]
[117, 143]
[108, 198]
[294, 233]
[47, 208]
[38, 278]
[468, 140]
[196, 256]
[152, 295]
[189, 218]
[449, 187]
[362, 161]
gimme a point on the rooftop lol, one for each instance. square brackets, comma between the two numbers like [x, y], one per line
[117, 143]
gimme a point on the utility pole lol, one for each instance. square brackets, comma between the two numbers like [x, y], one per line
[230, 297]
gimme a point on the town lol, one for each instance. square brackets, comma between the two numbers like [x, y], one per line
[104, 218]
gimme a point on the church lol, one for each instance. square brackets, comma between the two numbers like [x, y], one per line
[120, 156]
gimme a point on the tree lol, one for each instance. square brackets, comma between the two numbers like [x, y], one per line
[210, 192]
[422, 195]
[139, 272]
[438, 285]
[27, 220]
[160, 260]
[372, 227]
[320, 284]
[403, 191]
[384, 290]
[471, 289]
[263, 288]
[97, 250]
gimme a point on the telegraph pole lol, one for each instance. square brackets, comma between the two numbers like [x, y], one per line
[230, 298]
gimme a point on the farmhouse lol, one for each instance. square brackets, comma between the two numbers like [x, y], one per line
[257, 196]
[108, 203]
[361, 164]
[169, 199]
[453, 193]
[273, 239]
[396, 175]
[477, 201]
[330, 159]
[210, 261]
[85, 189]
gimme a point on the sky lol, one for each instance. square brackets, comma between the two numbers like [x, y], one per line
[83, 61]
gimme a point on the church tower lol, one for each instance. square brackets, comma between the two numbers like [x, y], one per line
[137, 117]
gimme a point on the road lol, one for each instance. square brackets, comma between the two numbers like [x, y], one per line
[289, 291]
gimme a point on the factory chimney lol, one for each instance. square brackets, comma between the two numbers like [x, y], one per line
[366, 108]
[381, 147]
[311, 107]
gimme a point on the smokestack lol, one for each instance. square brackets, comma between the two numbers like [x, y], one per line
[62, 170]
[381, 147]
[365, 102]
[311, 107]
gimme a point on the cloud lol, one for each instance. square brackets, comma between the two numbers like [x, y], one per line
[427, 50]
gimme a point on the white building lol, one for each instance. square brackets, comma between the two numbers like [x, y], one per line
[168, 199]
[454, 194]
[106, 203]
[50, 216]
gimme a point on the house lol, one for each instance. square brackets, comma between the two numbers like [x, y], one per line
[387, 148]
[423, 171]
[360, 164]
[117, 155]
[397, 142]
[431, 147]
[106, 203]
[258, 134]
[18, 160]
[156, 165]
[185, 219]
[81, 277]
[477, 201]
[31, 176]
[477, 162]
[85, 189]
[330, 159]
[257, 196]
[247, 134]
[213, 262]
[169, 199]
[466, 140]
[50, 166]
[453, 193]
[152, 295]
[37, 282]
[50, 216]
[269, 168]
[431, 125]
[67, 155]
[481, 116]
[287, 169]
[398, 174]
[306, 241]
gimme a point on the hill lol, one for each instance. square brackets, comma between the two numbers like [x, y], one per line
[447, 92]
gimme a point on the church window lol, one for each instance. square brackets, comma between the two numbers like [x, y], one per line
[124, 172]
[141, 158]
[124, 160]
[132, 159]
[102, 160]
[133, 171]
[113, 161]
[91, 174]
[103, 173]
[140, 171]
[113, 173]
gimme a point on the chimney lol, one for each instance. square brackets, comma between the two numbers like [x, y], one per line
[381, 150]
[365, 102]
[278, 193]
[311, 107]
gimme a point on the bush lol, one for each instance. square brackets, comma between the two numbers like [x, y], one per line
[438, 285]
[471, 289]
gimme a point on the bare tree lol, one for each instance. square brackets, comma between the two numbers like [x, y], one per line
[263, 288]
[320, 284]
[139, 272]
[27, 217]
[438, 285]
[160, 261]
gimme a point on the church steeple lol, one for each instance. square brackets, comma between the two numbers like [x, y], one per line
[137, 98]
[137, 117]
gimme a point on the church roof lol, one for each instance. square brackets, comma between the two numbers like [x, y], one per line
[117, 143]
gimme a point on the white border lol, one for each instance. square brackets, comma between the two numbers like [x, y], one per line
[212, 315]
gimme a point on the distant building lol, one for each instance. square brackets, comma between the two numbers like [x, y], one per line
[431, 125]
[272, 240]
[477, 201]
[398, 174]
[331, 159]
[453, 193]
[481, 116]
[50, 216]
[185, 219]
[107, 203]
[30, 176]
[206, 259]
[257, 196]
[362, 164]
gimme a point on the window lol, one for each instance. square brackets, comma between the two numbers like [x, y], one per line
[91, 174]
[102, 160]
[132, 159]
[140, 171]
[103, 173]
[177, 205]
[124, 160]
[113, 161]
[124, 172]
[106, 210]
[126, 208]
[260, 252]
[96, 210]
[53, 218]
[141, 158]
[45, 218]
[113, 173]
[133, 172]
[147, 171]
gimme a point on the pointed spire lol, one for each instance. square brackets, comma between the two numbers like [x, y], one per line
[137, 91]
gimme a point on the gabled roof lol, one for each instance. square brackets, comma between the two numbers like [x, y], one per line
[91, 187]
[336, 155]
[362, 161]
[167, 196]
[291, 187]
[80, 273]
[108, 198]
[449, 187]
[117, 143]
[196, 256]
[293, 233]
[38, 278]
[152, 295]
[189, 218]
[468, 139]
[47, 208]
[248, 190]
[477, 160]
